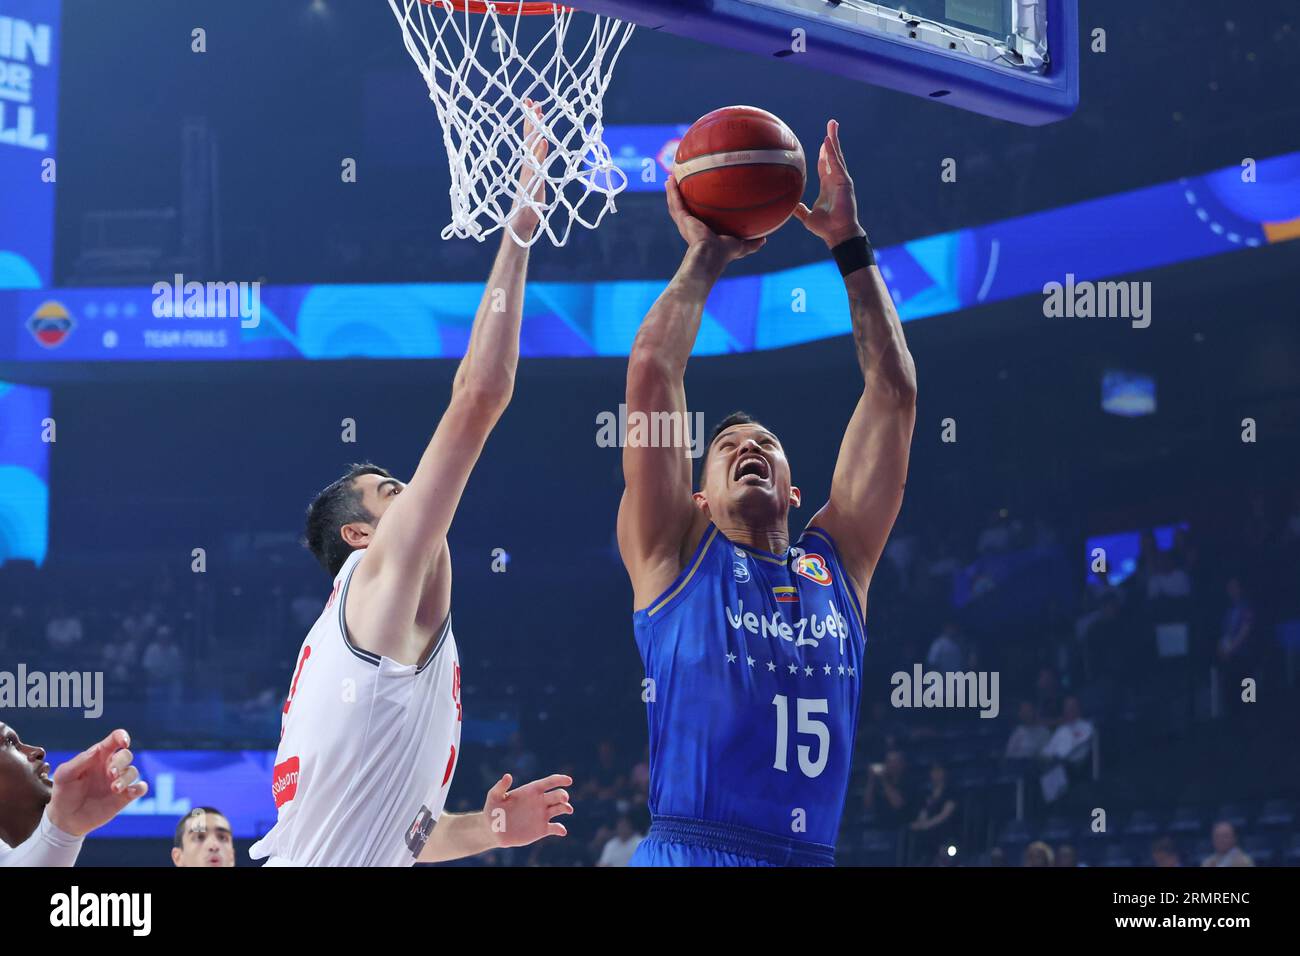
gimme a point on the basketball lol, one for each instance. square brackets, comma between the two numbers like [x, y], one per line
[741, 171]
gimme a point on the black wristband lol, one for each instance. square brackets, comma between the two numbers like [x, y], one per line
[854, 254]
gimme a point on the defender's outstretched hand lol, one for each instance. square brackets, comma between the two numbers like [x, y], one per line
[527, 814]
[531, 183]
[696, 233]
[834, 217]
[94, 786]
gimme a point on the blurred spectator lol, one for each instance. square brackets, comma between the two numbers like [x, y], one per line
[640, 776]
[1047, 695]
[1164, 852]
[1072, 741]
[1065, 856]
[620, 847]
[996, 536]
[63, 633]
[520, 761]
[1238, 621]
[1038, 853]
[605, 779]
[1167, 579]
[889, 793]
[1226, 852]
[162, 663]
[1030, 736]
[936, 823]
[946, 651]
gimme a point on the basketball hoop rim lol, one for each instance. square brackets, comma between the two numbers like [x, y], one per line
[528, 8]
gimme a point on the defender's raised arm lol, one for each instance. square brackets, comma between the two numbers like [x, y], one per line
[400, 595]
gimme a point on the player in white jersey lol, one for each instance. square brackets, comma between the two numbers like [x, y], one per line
[371, 727]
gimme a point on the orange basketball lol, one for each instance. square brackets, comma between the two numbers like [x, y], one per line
[741, 171]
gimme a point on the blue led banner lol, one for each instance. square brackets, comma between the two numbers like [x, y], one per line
[25, 427]
[1148, 228]
[29, 98]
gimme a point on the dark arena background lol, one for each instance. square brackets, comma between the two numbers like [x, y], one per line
[1102, 513]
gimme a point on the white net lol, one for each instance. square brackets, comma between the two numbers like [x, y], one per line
[481, 62]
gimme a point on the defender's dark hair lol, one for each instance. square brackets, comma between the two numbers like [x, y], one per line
[181, 827]
[735, 418]
[337, 505]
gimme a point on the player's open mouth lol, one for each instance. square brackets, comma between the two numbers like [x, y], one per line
[753, 466]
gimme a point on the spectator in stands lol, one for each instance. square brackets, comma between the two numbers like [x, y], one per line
[936, 824]
[1164, 852]
[162, 664]
[889, 793]
[1238, 621]
[620, 847]
[996, 536]
[63, 632]
[640, 777]
[606, 779]
[946, 650]
[1030, 736]
[1072, 741]
[1038, 853]
[203, 838]
[1065, 856]
[1226, 852]
[1167, 580]
[521, 761]
[1047, 695]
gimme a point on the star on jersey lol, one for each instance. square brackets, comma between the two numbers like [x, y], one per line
[731, 658]
[750, 660]
[771, 666]
[793, 669]
[807, 671]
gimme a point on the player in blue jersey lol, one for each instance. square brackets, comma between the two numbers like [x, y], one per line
[752, 643]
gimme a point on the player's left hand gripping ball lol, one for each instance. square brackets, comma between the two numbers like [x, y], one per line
[527, 814]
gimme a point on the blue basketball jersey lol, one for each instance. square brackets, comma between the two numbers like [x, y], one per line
[754, 663]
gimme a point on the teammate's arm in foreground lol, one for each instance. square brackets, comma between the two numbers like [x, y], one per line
[658, 524]
[867, 487]
[509, 818]
[400, 594]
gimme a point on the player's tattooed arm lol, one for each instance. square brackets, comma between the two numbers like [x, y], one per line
[509, 818]
[867, 488]
[390, 608]
[656, 517]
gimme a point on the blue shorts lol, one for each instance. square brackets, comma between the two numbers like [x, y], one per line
[680, 841]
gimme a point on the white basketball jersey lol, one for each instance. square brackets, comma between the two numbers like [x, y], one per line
[367, 748]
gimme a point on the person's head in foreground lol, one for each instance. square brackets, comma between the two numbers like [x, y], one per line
[344, 516]
[25, 786]
[745, 478]
[203, 838]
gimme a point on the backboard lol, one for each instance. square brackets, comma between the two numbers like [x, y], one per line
[1015, 60]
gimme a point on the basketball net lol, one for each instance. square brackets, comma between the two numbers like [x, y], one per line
[480, 70]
